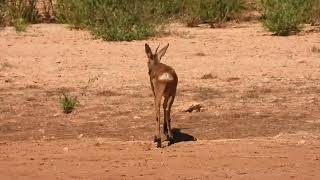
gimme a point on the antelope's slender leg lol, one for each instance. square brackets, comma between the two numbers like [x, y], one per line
[156, 117]
[157, 111]
[159, 93]
[168, 112]
[165, 116]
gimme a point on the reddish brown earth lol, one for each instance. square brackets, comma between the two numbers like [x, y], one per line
[260, 118]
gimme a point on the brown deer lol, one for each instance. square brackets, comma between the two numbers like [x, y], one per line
[164, 81]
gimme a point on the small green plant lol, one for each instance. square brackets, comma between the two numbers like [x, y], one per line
[3, 12]
[25, 9]
[18, 13]
[20, 24]
[284, 17]
[68, 102]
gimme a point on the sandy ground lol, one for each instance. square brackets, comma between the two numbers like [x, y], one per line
[263, 91]
[102, 159]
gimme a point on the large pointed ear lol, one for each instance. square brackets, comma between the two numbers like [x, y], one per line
[148, 51]
[162, 52]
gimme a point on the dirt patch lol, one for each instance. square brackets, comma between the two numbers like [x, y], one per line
[99, 158]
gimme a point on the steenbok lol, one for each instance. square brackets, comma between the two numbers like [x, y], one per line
[164, 81]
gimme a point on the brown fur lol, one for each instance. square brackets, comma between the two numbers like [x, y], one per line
[162, 88]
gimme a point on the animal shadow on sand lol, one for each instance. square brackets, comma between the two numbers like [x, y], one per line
[181, 137]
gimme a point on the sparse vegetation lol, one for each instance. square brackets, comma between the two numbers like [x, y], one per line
[68, 102]
[3, 12]
[315, 16]
[114, 20]
[48, 10]
[18, 13]
[211, 11]
[126, 20]
[119, 20]
[284, 17]
[23, 9]
[313, 12]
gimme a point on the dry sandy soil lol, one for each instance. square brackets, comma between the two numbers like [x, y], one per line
[260, 118]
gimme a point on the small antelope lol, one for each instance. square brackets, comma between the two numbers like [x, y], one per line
[164, 81]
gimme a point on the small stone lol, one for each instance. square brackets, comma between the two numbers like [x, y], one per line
[311, 99]
[265, 80]
[99, 142]
[209, 76]
[41, 131]
[191, 107]
[57, 114]
[3, 143]
[80, 136]
[231, 79]
[302, 142]
[136, 117]
[66, 149]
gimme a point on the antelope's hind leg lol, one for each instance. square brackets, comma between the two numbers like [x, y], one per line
[159, 93]
[168, 118]
[165, 119]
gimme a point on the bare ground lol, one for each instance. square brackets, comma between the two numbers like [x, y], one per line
[263, 91]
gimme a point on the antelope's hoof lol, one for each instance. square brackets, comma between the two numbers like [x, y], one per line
[171, 140]
[165, 131]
